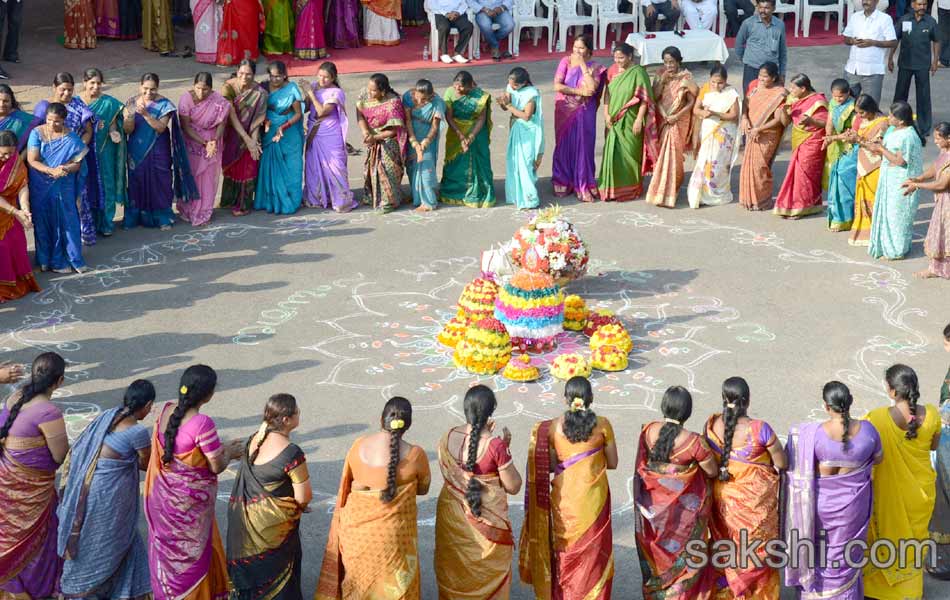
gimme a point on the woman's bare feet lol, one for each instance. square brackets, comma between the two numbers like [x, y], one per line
[925, 274]
[423, 209]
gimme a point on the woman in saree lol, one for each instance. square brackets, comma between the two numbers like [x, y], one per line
[474, 542]
[381, 22]
[675, 93]
[185, 556]
[630, 142]
[871, 127]
[841, 157]
[939, 568]
[566, 546]
[242, 23]
[807, 111]
[343, 23]
[279, 27]
[240, 158]
[525, 142]
[105, 557]
[326, 182]
[382, 120]
[54, 155]
[907, 483]
[673, 503]
[79, 24]
[309, 41]
[746, 493]
[829, 496]
[16, 272]
[467, 177]
[936, 179]
[204, 115]
[372, 548]
[764, 126]
[280, 173]
[12, 118]
[159, 170]
[578, 83]
[110, 146]
[271, 492]
[207, 16]
[119, 19]
[158, 32]
[33, 444]
[892, 223]
[717, 108]
[425, 112]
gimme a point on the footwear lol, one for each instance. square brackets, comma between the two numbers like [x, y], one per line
[82, 269]
[15, 59]
[165, 228]
[496, 55]
[460, 59]
[446, 59]
[65, 271]
[506, 55]
[4, 74]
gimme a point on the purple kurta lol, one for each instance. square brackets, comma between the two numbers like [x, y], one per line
[326, 181]
[575, 132]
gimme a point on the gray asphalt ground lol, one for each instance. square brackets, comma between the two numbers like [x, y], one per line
[342, 311]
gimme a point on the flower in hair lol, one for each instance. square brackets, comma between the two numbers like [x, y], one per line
[577, 404]
[730, 405]
[183, 390]
[396, 424]
[673, 421]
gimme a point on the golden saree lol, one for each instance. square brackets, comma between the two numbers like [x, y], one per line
[755, 175]
[869, 170]
[676, 139]
[472, 554]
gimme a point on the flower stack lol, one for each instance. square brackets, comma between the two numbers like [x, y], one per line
[486, 348]
[453, 332]
[521, 369]
[531, 307]
[478, 300]
[575, 313]
[566, 366]
[597, 319]
[609, 347]
[549, 243]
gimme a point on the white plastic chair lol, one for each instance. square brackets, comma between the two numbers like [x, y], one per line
[808, 9]
[608, 13]
[794, 8]
[567, 17]
[530, 14]
[477, 36]
[434, 35]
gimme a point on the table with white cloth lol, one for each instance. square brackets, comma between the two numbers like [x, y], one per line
[698, 45]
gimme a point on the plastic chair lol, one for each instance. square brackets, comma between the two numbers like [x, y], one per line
[808, 9]
[477, 36]
[530, 14]
[568, 16]
[795, 7]
[434, 35]
[608, 13]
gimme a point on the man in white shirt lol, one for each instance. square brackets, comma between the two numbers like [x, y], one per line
[449, 14]
[869, 33]
[700, 14]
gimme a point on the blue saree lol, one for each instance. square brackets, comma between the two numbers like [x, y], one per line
[892, 222]
[280, 175]
[525, 147]
[841, 169]
[20, 123]
[54, 202]
[111, 158]
[159, 170]
[98, 536]
[423, 179]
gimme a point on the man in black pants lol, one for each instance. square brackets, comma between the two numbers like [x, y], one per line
[919, 43]
[12, 12]
[670, 9]
[733, 20]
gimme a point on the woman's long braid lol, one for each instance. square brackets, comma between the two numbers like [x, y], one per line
[730, 416]
[124, 412]
[846, 423]
[138, 395]
[914, 423]
[664, 442]
[473, 495]
[46, 371]
[197, 385]
[260, 442]
[395, 439]
[677, 406]
[838, 398]
[903, 382]
[186, 402]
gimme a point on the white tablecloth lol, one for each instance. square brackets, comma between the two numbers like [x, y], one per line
[696, 46]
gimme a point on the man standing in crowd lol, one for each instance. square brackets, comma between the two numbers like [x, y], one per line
[670, 9]
[449, 14]
[731, 8]
[761, 39]
[869, 33]
[12, 12]
[492, 12]
[920, 47]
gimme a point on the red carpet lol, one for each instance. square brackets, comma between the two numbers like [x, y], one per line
[408, 55]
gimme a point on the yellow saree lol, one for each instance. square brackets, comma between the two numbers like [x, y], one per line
[869, 170]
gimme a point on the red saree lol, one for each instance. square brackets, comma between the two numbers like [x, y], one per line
[79, 24]
[800, 194]
[242, 22]
[16, 272]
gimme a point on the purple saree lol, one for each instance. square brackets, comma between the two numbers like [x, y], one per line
[343, 23]
[325, 176]
[575, 131]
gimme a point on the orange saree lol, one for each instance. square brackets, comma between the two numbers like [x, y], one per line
[755, 176]
[676, 140]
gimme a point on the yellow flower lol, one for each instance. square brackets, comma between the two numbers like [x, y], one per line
[396, 424]
[183, 390]
[577, 404]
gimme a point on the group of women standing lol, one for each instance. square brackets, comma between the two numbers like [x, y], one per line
[847, 479]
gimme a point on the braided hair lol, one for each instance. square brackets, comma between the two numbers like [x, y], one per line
[735, 404]
[903, 381]
[138, 395]
[677, 406]
[397, 409]
[479, 405]
[46, 373]
[579, 421]
[838, 398]
[278, 408]
[197, 386]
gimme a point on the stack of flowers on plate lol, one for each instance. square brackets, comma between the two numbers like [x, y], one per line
[575, 313]
[608, 358]
[611, 334]
[549, 243]
[597, 318]
[486, 348]
[566, 366]
[478, 300]
[531, 306]
[453, 332]
[521, 369]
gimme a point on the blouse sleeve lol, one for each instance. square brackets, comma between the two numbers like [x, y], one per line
[608, 432]
[500, 453]
[701, 450]
[561, 72]
[140, 438]
[49, 412]
[766, 435]
[185, 105]
[296, 467]
[207, 436]
[420, 465]
[34, 141]
[298, 96]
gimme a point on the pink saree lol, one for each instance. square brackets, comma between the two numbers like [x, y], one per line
[309, 41]
[675, 140]
[800, 193]
[204, 118]
[207, 15]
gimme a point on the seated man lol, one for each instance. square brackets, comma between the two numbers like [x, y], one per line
[449, 14]
[700, 14]
[492, 12]
[733, 20]
[670, 9]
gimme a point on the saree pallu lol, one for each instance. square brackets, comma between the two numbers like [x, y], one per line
[575, 133]
[20, 123]
[280, 173]
[242, 22]
[309, 41]
[205, 118]
[841, 164]
[207, 17]
[29, 566]
[158, 34]
[279, 27]
[79, 24]
[711, 181]
[343, 23]
[423, 179]
[381, 22]
[937, 242]
[326, 181]
[628, 158]
[107, 19]
[675, 141]
[385, 160]
[53, 202]
[111, 160]
[239, 167]
[755, 175]
[185, 555]
[800, 193]
[940, 522]
[472, 554]
[467, 176]
[372, 548]
[868, 175]
[672, 509]
[842, 117]
[98, 515]
[16, 272]
[892, 223]
[525, 148]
